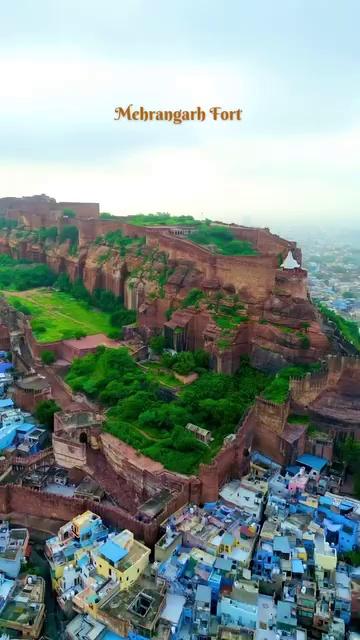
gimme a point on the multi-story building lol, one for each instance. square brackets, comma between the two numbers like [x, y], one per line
[81, 532]
[13, 549]
[121, 558]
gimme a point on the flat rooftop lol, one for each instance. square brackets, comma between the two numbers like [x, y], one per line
[141, 604]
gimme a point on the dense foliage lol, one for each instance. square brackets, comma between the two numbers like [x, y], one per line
[7, 224]
[47, 356]
[140, 415]
[223, 239]
[186, 362]
[69, 233]
[19, 275]
[348, 329]
[44, 412]
[157, 344]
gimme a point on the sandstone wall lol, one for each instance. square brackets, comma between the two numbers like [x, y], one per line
[82, 209]
[24, 500]
[69, 453]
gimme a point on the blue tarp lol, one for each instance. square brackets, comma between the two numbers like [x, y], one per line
[112, 551]
[297, 566]
[5, 366]
[6, 403]
[315, 462]
[25, 427]
[281, 544]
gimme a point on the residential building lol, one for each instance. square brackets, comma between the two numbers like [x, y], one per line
[121, 558]
[13, 549]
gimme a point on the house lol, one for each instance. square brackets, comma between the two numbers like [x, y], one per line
[340, 518]
[121, 558]
[13, 549]
[239, 608]
[23, 612]
[80, 532]
[173, 613]
[202, 611]
[200, 434]
[342, 595]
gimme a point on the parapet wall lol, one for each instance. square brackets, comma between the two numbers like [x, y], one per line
[271, 415]
[24, 500]
[252, 275]
[343, 371]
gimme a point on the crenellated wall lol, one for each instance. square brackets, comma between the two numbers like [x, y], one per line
[339, 372]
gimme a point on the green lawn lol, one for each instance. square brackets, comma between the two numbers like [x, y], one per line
[57, 316]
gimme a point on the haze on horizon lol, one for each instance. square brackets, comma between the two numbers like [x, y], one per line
[292, 66]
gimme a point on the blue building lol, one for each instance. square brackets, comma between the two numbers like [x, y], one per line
[266, 565]
[340, 521]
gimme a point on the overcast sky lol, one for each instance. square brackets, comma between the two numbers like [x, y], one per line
[293, 66]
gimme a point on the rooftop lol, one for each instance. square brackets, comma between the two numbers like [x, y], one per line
[140, 605]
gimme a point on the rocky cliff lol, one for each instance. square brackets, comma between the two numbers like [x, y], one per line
[228, 305]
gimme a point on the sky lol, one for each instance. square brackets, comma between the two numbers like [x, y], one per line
[292, 66]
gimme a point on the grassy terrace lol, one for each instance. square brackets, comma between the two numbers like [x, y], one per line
[56, 315]
[222, 239]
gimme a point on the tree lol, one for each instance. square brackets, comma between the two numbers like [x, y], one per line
[201, 358]
[71, 233]
[47, 357]
[79, 333]
[80, 292]
[115, 334]
[44, 412]
[157, 344]
[122, 317]
[63, 283]
[69, 213]
[185, 363]
[106, 216]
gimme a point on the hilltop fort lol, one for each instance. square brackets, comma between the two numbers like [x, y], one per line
[228, 289]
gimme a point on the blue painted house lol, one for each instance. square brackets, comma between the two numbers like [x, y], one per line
[340, 522]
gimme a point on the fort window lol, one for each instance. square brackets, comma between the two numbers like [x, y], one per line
[83, 438]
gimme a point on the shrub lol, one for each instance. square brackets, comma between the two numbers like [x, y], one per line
[185, 363]
[69, 213]
[305, 342]
[47, 357]
[106, 216]
[79, 333]
[115, 334]
[71, 233]
[157, 344]
[193, 296]
[122, 317]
